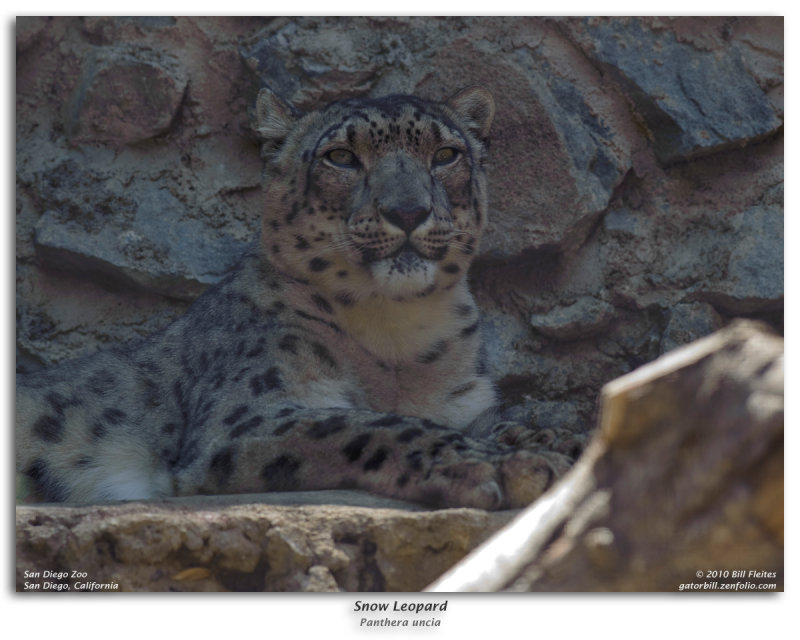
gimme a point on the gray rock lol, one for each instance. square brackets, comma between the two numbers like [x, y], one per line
[158, 250]
[138, 234]
[694, 102]
[755, 266]
[621, 221]
[584, 318]
[125, 97]
[689, 322]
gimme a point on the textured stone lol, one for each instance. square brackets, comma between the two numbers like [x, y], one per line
[694, 101]
[689, 322]
[157, 250]
[755, 264]
[238, 543]
[583, 318]
[125, 97]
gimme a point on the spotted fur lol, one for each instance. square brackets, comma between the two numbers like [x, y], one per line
[344, 351]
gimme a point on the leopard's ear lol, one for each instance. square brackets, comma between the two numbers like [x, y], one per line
[475, 105]
[274, 118]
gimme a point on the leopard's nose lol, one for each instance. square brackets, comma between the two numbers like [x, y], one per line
[406, 218]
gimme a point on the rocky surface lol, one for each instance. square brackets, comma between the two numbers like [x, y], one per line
[243, 543]
[682, 484]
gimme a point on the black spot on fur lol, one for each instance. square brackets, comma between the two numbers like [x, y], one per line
[285, 412]
[302, 243]
[289, 343]
[451, 268]
[318, 264]
[414, 460]
[246, 426]
[46, 485]
[240, 374]
[402, 481]
[353, 449]
[464, 388]
[386, 421]
[345, 299]
[464, 309]
[83, 462]
[327, 427]
[101, 382]
[189, 453]
[98, 431]
[169, 428]
[321, 303]
[308, 316]
[49, 429]
[113, 416]
[468, 331]
[237, 413]
[255, 351]
[204, 362]
[270, 380]
[434, 353]
[292, 213]
[323, 354]
[59, 402]
[407, 435]
[436, 448]
[279, 474]
[376, 460]
[284, 427]
[221, 466]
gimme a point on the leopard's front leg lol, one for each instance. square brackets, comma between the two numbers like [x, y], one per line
[394, 456]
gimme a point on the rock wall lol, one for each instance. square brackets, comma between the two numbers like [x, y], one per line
[230, 543]
[636, 175]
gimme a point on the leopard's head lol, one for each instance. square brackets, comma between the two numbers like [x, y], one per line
[376, 196]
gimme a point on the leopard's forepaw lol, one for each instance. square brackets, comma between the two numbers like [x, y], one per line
[528, 474]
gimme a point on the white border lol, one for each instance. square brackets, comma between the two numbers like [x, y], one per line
[301, 615]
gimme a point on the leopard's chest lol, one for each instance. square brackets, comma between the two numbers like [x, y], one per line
[441, 384]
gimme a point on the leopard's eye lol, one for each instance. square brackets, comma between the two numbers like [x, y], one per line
[343, 158]
[445, 155]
